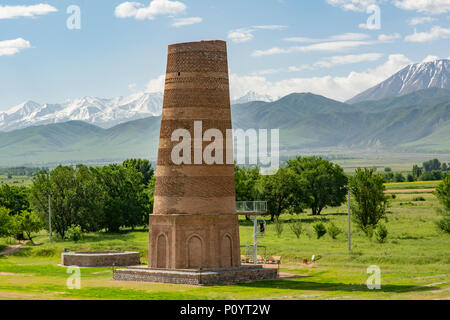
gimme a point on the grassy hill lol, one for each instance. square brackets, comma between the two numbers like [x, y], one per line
[418, 122]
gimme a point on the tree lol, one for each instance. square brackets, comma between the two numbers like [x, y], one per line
[89, 201]
[29, 222]
[442, 192]
[14, 198]
[76, 198]
[7, 225]
[431, 165]
[246, 180]
[143, 166]
[417, 171]
[60, 183]
[389, 177]
[325, 182]
[125, 202]
[283, 191]
[369, 205]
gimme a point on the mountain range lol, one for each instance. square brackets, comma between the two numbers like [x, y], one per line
[433, 74]
[415, 122]
[104, 113]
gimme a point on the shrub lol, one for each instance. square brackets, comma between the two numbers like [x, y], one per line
[381, 233]
[419, 199]
[297, 228]
[278, 227]
[333, 230]
[320, 230]
[74, 233]
[398, 177]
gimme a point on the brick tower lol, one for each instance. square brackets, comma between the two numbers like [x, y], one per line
[194, 231]
[194, 224]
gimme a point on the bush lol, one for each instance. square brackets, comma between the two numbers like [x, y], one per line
[444, 223]
[320, 230]
[381, 233]
[442, 192]
[419, 199]
[278, 227]
[333, 230]
[297, 228]
[398, 177]
[74, 233]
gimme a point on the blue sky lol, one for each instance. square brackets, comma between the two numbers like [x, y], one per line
[275, 46]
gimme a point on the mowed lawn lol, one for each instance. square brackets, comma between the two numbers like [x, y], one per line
[414, 262]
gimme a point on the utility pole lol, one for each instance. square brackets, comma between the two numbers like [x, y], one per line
[255, 239]
[49, 210]
[349, 223]
[49, 218]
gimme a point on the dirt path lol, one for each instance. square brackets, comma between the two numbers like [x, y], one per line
[12, 249]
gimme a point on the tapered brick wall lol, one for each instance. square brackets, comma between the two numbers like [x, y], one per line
[194, 222]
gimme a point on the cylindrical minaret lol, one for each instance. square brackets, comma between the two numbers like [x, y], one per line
[195, 222]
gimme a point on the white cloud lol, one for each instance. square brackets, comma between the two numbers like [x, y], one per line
[156, 7]
[246, 34]
[435, 33]
[324, 46]
[388, 37]
[10, 12]
[12, 47]
[430, 58]
[339, 37]
[427, 6]
[339, 88]
[325, 63]
[353, 5]
[420, 20]
[186, 21]
[156, 85]
[348, 59]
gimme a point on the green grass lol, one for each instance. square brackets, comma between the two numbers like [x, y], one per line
[16, 180]
[414, 263]
[412, 185]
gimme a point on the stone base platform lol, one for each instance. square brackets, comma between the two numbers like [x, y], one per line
[245, 273]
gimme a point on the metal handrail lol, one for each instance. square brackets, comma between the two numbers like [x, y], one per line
[251, 206]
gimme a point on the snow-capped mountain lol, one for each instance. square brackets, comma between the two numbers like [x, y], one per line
[412, 78]
[253, 96]
[104, 113]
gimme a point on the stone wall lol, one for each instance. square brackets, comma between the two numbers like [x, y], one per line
[100, 259]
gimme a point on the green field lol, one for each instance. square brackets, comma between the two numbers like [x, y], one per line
[414, 263]
[16, 180]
